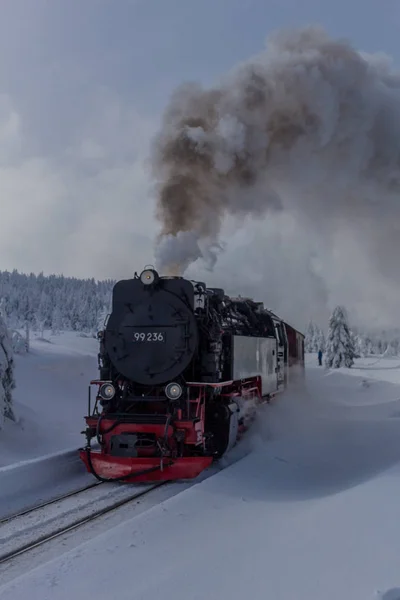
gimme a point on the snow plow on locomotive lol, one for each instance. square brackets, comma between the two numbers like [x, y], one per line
[182, 368]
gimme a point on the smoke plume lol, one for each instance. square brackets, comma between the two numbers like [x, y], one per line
[310, 126]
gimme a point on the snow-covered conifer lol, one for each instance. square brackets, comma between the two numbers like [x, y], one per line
[56, 321]
[394, 347]
[309, 337]
[320, 340]
[27, 336]
[19, 344]
[356, 343]
[7, 382]
[39, 302]
[340, 351]
[360, 344]
[3, 313]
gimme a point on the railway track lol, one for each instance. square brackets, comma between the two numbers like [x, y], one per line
[32, 509]
[28, 529]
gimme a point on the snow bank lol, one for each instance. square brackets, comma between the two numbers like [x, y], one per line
[51, 397]
[368, 371]
[31, 482]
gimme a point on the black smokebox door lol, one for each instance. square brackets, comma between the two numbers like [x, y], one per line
[156, 339]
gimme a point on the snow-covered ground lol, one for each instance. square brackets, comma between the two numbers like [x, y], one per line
[312, 513]
[50, 397]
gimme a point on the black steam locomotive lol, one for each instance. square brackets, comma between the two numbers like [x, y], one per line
[181, 369]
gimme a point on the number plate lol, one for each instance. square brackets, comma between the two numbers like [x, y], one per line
[149, 336]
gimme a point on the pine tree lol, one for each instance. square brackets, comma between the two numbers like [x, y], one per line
[42, 302]
[56, 321]
[391, 349]
[360, 346]
[3, 312]
[356, 344]
[314, 344]
[314, 338]
[320, 339]
[367, 346]
[340, 351]
[7, 382]
[309, 338]
[395, 347]
[27, 337]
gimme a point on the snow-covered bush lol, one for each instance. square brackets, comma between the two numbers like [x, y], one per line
[340, 351]
[7, 382]
[19, 343]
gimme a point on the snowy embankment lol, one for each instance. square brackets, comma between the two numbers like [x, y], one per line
[376, 368]
[38, 453]
[29, 483]
[312, 513]
[50, 397]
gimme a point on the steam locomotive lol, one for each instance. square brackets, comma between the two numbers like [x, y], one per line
[182, 369]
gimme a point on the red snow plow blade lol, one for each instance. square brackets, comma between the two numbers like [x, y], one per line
[144, 469]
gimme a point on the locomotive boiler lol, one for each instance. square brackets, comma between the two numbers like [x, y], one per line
[182, 368]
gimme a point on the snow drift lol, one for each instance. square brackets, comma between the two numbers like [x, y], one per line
[310, 126]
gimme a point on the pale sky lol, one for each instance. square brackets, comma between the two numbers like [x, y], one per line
[83, 84]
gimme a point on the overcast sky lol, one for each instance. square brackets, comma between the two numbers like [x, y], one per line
[83, 84]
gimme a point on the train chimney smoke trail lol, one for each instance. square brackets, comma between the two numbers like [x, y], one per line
[309, 126]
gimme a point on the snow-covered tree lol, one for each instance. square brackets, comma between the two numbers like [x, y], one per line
[7, 382]
[309, 337]
[27, 337]
[3, 314]
[56, 321]
[367, 345]
[314, 338]
[320, 340]
[54, 302]
[340, 351]
[355, 339]
[391, 349]
[19, 343]
[360, 346]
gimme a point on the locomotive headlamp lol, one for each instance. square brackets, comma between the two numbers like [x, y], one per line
[148, 276]
[107, 391]
[173, 391]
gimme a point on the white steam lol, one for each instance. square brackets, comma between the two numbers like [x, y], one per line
[310, 127]
[174, 254]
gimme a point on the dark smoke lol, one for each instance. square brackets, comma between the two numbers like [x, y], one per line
[310, 126]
